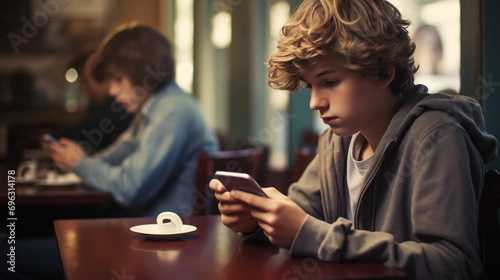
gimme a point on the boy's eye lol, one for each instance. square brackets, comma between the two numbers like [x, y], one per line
[331, 82]
[308, 86]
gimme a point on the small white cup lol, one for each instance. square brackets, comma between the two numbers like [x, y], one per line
[169, 222]
[51, 176]
[26, 171]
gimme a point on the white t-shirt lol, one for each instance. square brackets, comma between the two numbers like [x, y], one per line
[356, 170]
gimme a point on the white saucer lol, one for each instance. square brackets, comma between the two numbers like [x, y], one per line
[154, 232]
[67, 179]
[22, 181]
[45, 182]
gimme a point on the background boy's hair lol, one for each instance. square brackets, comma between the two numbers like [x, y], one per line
[138, 51]
[367, 36]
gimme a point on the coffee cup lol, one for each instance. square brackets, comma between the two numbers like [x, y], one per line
[52, 176]
[26, 171]
[169, 222]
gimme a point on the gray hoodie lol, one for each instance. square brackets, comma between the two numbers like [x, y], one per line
[418, 207]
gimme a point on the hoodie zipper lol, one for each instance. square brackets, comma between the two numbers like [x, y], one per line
[368, 182]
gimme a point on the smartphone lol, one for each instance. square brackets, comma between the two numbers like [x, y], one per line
[50, 139]
[239, 181]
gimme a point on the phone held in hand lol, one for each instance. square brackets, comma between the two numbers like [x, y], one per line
[50, 139]
[239, 181]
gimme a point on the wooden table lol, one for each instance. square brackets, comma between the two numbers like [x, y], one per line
[31, 194]
[107, 249]
[36, 207]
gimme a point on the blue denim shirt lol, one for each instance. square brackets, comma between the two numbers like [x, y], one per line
[151, 168]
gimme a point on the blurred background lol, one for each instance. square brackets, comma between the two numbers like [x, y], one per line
[221, 49]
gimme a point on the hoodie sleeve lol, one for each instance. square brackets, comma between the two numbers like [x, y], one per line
[441, 207]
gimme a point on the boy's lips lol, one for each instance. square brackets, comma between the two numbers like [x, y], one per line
[328, 120]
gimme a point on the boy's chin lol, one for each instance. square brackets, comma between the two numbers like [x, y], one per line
[342, 132]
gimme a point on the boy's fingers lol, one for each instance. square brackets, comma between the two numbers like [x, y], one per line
[272, 192]
[229, 207]
[225, 197]
[251, 199]
[217, 186]
[65, 140]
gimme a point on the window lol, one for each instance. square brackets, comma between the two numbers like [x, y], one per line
[437, 37]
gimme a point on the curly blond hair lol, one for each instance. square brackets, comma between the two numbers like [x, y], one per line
[367, 36]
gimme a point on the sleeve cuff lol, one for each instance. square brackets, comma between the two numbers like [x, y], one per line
[320, 239]
[308, 240]
[78, 163]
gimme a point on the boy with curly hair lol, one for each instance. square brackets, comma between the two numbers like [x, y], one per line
[398, 177]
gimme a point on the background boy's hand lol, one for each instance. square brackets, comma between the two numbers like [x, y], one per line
[277, 215]
[234, 213]
[65, 154]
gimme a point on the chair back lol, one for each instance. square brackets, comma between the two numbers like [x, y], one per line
[245, 161]
[489, 233]
[302, 159]
[310, 139]
[261, 176]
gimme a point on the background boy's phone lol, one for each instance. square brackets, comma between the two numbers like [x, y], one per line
[239, 181]
[50, 139]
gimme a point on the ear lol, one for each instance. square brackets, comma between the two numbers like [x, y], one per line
[385, 80]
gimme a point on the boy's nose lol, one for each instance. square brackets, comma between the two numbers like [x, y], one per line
[112, 89]
[317, 101]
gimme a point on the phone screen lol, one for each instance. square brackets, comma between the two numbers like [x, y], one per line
[239, 181]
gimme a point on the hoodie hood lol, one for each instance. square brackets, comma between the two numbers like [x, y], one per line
[459, 110]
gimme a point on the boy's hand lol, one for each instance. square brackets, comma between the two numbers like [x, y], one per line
[277, 215]
[234, 213]
[65, 154]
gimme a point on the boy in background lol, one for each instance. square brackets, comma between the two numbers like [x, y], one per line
[151, 167]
